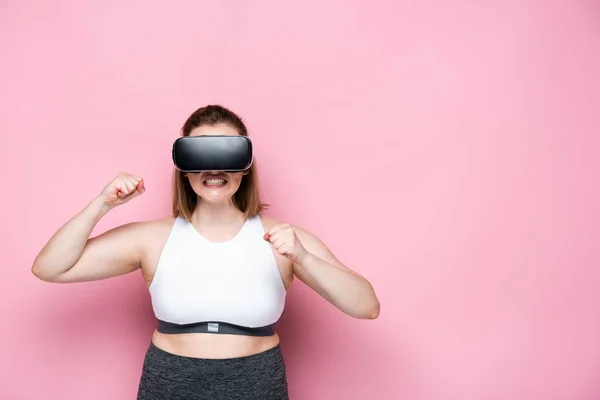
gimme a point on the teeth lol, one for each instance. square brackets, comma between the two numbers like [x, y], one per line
[215, 181]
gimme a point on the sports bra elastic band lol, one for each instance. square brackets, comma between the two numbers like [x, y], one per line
[214, 327]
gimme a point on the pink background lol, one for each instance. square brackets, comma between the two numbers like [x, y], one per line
[445, 150]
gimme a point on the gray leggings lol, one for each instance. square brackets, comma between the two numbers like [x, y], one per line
[168, 376]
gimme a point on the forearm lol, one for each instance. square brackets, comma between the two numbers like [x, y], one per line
[346, 290]
[65, 247]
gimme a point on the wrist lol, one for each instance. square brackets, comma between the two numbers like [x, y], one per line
[98, 208]
[306, 258]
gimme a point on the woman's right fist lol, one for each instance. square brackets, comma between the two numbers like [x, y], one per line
[122, 188]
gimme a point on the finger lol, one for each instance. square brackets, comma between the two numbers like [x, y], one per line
[113, 194]
[140, 186]
[278, 243]
[131, 185]
[277, 237]
[126, 187]
[284, 250]
[270, 236]
[121, 190]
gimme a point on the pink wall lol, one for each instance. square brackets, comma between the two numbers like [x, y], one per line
[446, 150]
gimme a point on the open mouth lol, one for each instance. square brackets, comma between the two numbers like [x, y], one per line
[215, 181]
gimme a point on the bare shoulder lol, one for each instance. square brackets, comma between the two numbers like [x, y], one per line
[154, 232]
[269, 222]
[142, 231]
[158, 225]
[145, 238]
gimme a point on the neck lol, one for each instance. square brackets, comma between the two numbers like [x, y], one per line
[225, 213]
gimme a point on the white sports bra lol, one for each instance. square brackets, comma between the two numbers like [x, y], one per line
[231, 287]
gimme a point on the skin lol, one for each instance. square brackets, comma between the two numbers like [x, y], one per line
[71, 255]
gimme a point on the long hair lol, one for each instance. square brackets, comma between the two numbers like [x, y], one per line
[246, 198]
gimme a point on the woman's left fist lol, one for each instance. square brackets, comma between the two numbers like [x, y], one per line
[284, 240]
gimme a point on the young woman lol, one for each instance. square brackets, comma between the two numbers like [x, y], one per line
[218, 271]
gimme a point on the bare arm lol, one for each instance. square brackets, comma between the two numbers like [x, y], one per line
[325, 274]
[316, 266]
[72, 256]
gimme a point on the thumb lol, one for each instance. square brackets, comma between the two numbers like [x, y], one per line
[141, 188]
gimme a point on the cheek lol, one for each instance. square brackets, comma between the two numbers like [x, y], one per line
[196, 182]
[194, 179]
[236, 178]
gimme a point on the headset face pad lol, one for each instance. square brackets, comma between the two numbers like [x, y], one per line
[212, 153]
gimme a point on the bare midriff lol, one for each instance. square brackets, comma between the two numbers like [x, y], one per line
[214, 346]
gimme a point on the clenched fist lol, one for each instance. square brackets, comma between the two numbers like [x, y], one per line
[284, 240]
[122, 188]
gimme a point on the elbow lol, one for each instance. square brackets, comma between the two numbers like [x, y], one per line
[370, 312]
[40, 272]
[368, 307]
[373, 312]
[373, 309]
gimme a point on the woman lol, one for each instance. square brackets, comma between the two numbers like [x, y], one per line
[217, 270]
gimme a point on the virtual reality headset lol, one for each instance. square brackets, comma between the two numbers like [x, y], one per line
[212, 153]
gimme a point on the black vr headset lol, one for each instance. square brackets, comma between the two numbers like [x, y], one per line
[212, 153]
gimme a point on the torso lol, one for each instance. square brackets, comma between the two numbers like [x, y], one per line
[205, 345]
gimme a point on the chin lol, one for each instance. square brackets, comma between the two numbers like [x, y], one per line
[215, 197]
[215, 200]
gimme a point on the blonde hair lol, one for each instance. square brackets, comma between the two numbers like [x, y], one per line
[246, 198]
